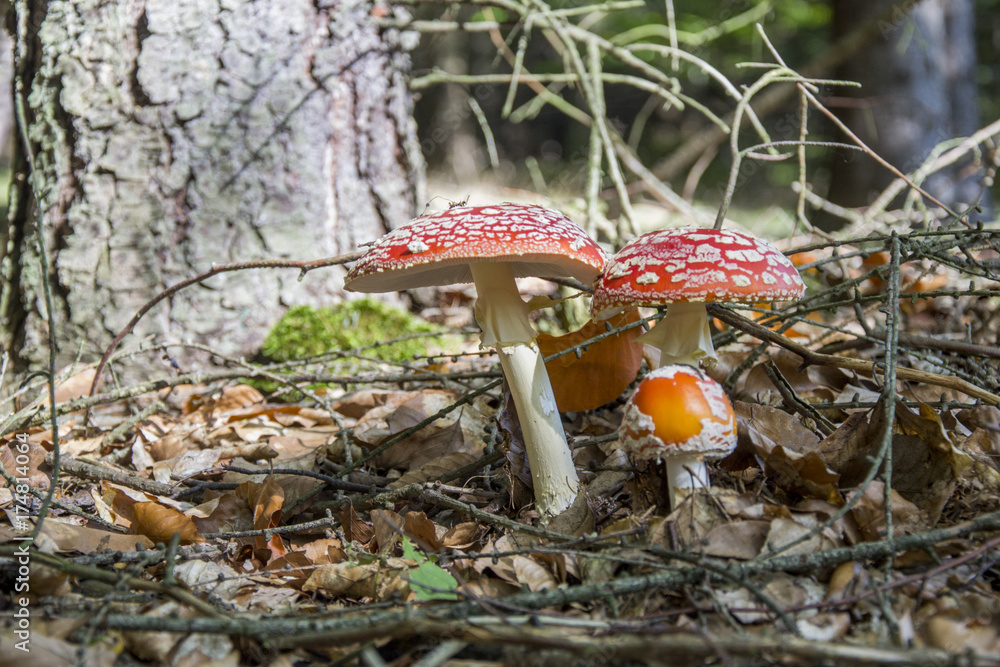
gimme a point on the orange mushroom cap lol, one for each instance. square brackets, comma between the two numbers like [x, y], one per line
[678, 410]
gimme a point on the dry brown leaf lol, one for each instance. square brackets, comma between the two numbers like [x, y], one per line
[356, 405]
[123, 498]
[795, 464]
[223, 514]
[842, 577]
[169, 446]
[271, 412]
[155, 647]
[234, 398]
[818, 382]
[298, 443]
[785, 531]
[379, 581]
[159, 523]
[435, 468]
[355, 529]
[265, 500]
[529, 572]
[304, 417]
[190, 464]
[292, 569]
[210, 577]
[141, 460]
[869, 513]
[691, 521]
[985, 418]
[76, 386]
[804, 474]
[925, 464]
[22, 459]
[740, 539]
[956, 634]
[462, 536]
[577, 519]
[458, 432]
[325, 551]
[253, 452]
[601, 373]
[66, 538]
[422, 531]
[847, 448]
[75, 447]
[387, 526]
[49, 651]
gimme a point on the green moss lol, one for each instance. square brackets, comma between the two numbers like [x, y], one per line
[308, 332]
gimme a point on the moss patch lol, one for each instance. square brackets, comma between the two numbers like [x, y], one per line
[305, 331]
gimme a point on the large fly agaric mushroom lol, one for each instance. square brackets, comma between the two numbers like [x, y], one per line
[681, 416]
[687, 267]
[490, 246]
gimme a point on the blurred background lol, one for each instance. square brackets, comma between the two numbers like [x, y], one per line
[928, 73]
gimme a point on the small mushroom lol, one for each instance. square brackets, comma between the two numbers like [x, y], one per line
[687, 267]
[490, 246]
[681, 416]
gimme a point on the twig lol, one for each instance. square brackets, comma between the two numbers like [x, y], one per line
[809, 357]
[303, 266]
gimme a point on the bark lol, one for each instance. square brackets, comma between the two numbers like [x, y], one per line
[918, 89]
[171, 135]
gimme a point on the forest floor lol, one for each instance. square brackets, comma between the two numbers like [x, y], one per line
[381, 513]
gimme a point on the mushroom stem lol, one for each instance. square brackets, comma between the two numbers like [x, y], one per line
[686, 471]
[683, 335]
[503, 317]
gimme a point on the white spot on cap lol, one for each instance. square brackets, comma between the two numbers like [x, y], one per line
[744, 255]
[741, 281]
[647, 278]
[417, 246]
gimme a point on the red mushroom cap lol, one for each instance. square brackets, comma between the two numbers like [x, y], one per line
[678, 410]
[694, 264]
[437, 249]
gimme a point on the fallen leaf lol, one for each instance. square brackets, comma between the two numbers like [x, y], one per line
[265, 500]
[386, 525]
[602, 372]
[75, 386]
[159, 523]
[960, 635]
[869, 513]
[435, 468]
[740, 539]
[22, 459]
[355, 529]
[379, 581]
[795, 465]
[422, 531]
[462, 536]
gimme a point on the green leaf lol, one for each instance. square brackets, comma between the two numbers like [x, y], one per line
[428, 581]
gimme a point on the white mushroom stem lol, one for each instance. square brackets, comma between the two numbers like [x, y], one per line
[686, 471]
[682, 336]
[503, 317]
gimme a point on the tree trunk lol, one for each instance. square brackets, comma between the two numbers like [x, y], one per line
[918, 89]
[172, 135]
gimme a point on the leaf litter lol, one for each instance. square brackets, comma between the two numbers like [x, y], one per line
[814, 536]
